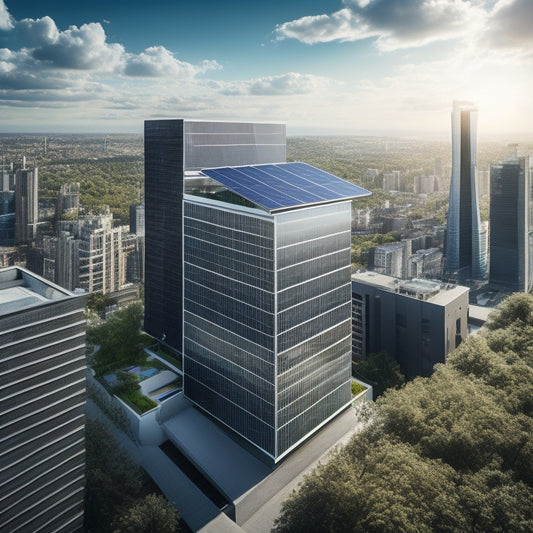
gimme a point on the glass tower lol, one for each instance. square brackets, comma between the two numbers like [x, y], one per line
[264, 269]
[465, 249]
[511, 224]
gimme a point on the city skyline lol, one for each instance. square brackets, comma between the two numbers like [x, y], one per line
[346, 67]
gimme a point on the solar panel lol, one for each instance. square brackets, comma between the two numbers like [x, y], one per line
[285, 185]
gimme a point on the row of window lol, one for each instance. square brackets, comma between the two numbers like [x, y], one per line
[316, 344]
[308, 420]
[238, 290]
[233, 372]
[256, 430]
[303, 251]
[312, 327]
[313, 268]
[241, 344]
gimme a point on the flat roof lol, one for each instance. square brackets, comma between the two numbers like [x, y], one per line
[20, 289]
[430, 291]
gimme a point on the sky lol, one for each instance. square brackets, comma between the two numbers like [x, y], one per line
[363, 67]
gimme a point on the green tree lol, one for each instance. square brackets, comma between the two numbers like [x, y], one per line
[112, 480]
[381, 371]
[120, 340]
[97, 302]
[453, 452]
[151, 514]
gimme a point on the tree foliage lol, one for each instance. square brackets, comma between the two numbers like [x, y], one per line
[152, 514]
[453, 452]
[381, 371]
[114, 499]
[119, 339]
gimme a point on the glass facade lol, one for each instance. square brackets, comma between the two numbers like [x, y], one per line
[267, 328]
[465, 248]
[511, 225]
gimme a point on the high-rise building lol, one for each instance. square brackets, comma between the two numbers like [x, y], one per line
[173, 147]
[418, 322]
[465, 248]
[68, 202]
[42, 405]
[511, 224]
[26, 205]
[137, 219]
[264, 322]
[391, 181]
[7, 218]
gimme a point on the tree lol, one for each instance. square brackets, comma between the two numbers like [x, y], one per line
[119, 339]
[97, 302]
[151, 514]
[381, 371]
[452, 452]
[113, 480]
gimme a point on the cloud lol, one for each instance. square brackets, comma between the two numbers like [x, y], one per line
[85, 48]
[291, 83]
[82, 48]
[510, 25]
[394, 23]
[6, 21]
[157, 61]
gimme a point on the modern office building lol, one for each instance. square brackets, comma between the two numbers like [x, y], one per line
[511, 224]
[137, 220]
[264, 322]
[172, 148]
[26, 205]
[7, 218]
[418, 322]
[42, 405]
[465, 250]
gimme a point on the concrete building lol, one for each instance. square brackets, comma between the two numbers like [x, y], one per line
[466, 243]
[511, 224]
[418, 322]
[264, 319]
[426, 263]
[137, 220]
[391, 181]
[425, 184]
[42, 405]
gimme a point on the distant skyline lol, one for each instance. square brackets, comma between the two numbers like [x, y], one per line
[323, 67]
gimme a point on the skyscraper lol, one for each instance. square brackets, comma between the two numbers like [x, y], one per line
[465, 240]
[265, 272]
[26, 205]
[42, 405]
[511, 224]
[173, 147]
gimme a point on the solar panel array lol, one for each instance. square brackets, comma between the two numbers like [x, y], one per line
[285, 185]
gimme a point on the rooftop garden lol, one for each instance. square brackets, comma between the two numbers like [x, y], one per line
[123, 367]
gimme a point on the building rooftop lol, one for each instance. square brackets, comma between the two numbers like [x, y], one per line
[282, 186]
[422, 289]
[20, 289]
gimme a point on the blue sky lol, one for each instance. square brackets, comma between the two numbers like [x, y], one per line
[323, 67]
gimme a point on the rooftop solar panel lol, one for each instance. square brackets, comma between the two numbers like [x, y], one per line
[285, 185]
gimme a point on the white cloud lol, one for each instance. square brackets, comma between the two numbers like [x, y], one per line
[291, 83]
[343, 25]
[511, 26]
[394, 23]
[157, 61]
[6, 21]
